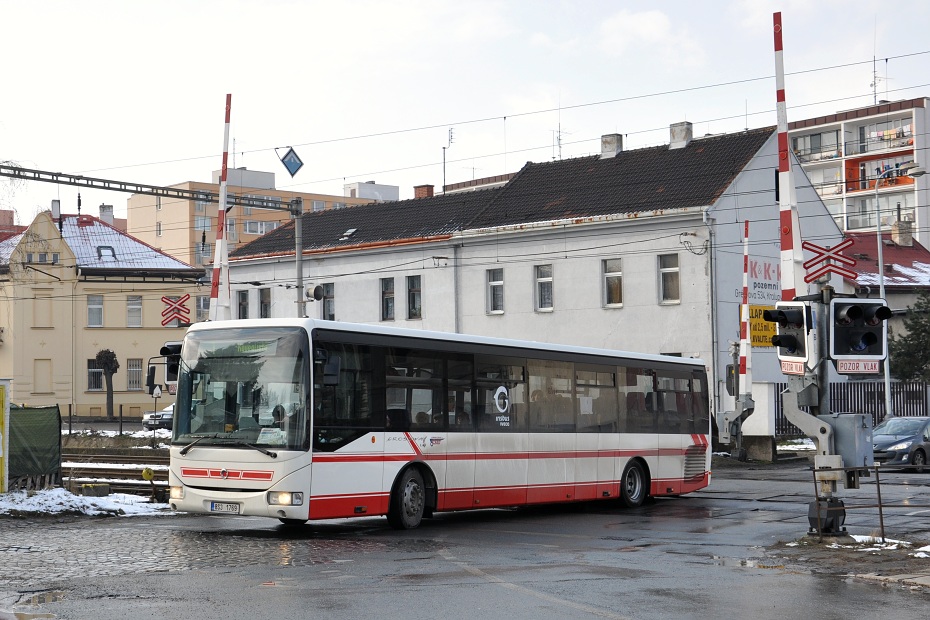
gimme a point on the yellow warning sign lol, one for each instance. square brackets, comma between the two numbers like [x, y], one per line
[760, 330]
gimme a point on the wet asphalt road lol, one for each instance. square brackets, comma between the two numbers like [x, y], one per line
[708, 554]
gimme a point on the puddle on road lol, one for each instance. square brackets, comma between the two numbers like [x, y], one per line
[39, 598]
[743, 563]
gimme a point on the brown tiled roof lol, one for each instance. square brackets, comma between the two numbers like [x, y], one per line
[649, 179]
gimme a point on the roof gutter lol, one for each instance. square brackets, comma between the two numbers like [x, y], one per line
[582, 221]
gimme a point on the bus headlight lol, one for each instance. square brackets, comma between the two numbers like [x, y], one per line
[285, 498]
[176, 492]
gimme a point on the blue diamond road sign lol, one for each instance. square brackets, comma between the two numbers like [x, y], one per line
[292, 162]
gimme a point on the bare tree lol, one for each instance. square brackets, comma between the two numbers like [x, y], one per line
[107, 362]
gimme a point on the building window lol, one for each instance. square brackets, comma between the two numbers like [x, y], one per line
[544, 287]
[613, 282]
[264, 303]
[669, 282]
[176, 322]
[339, 205]
[134, 311]
[495, 291]
[95, 310]
[158, 229]
[329, 302]
[94, 376]
[199, 206]
[203, 307]
[231, 233]
[134, 374]
[258, 227]
[43, 257]
[242, 299]
[202, 253]
[319, 205]
[387, 299]
[414, 309]
[202, 222]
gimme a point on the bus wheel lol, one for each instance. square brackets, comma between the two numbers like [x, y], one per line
[633, 485]
[292, 522]
[408, 502]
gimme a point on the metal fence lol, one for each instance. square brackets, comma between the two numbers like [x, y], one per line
[907, 399]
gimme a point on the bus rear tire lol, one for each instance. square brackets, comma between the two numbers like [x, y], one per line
[633, 485]
[408, 501]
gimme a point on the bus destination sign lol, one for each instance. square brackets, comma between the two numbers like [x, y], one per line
[857, 367]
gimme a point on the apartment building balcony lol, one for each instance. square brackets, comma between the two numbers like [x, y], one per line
[806, 156]
[884, 141]
[868, 183]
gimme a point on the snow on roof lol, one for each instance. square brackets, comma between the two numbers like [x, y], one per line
[98, 244]
[905, 266]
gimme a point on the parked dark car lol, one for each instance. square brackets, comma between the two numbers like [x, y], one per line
[902, 441]
[158, 419]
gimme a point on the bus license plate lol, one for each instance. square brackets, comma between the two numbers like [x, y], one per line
[224, 507]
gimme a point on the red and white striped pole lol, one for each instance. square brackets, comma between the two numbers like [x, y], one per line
[745, 351]
[220, 309]
[789, 233]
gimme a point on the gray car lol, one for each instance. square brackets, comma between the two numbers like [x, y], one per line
[158, 419]
[902, 441]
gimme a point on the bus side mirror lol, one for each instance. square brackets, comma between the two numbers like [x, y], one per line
[331, 370]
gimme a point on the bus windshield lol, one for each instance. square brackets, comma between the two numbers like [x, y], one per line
[243, 388]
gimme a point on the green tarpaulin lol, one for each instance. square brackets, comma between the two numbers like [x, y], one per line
[35, 441]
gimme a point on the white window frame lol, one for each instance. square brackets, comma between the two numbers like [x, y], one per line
[94, 376]
[95, 310]
[414, 308]
[134, 374]
[543, 282]
[134, 311]
[386, 294]
[242, 304]
[612, 270]
[203, 307]
[319, 205]
[666, 273]
[202, 223]
[495, 284]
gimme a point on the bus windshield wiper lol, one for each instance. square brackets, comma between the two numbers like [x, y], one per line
[273, 455]
[188, 447]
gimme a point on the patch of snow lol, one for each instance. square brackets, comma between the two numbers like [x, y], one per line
[56, 501]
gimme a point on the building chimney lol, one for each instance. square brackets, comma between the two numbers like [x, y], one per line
[56, 209]
[611, 144]
[422, 191]
[106, 214]
[680, 135]
[901, 234]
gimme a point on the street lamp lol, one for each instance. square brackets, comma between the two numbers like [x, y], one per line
[912, 170]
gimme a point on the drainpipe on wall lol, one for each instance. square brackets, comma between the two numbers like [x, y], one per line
[455, 288]
[712, 252]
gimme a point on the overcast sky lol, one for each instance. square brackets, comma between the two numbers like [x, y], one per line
[134, 91]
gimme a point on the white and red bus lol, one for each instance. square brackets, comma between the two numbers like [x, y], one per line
[301, 419]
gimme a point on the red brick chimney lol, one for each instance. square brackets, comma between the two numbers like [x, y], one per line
[422, 191]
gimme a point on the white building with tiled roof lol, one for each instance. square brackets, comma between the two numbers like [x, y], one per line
[73, 285]
[636, 250]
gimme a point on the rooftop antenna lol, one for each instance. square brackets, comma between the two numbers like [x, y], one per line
[444, 160]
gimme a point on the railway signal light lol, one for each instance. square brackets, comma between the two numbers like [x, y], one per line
[172, 354]
[859, 329]
[793, 324]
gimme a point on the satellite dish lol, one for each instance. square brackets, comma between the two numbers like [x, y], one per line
[314, 293]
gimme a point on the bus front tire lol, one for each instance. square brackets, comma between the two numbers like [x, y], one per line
[633, 485]
[292, 522]
[408, 502]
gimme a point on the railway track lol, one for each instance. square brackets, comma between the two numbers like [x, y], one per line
[84, 473]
